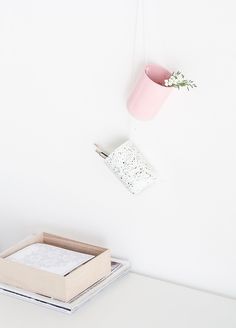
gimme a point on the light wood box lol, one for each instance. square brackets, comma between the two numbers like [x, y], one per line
[63, 288]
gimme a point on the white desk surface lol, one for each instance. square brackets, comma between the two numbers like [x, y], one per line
[134, 301]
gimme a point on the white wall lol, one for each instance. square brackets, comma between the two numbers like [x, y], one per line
[65, 73]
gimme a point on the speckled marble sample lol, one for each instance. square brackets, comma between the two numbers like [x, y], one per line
[50, 258]
[130, 166]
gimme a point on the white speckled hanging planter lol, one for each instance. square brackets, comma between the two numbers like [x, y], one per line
[130, 167]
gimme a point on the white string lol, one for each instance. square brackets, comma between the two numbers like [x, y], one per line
[139, 56]
[135, 37]
[144, 30]
[139, 30]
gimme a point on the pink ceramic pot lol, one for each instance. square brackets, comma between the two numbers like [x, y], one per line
[149, 93]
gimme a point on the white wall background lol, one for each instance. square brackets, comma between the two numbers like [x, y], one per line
[65, 73]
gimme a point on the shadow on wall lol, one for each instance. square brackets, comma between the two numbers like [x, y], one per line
[23, 230]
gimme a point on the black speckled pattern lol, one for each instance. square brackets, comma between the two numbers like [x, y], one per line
[130, 166]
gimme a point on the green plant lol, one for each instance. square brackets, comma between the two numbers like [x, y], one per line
[177, 80]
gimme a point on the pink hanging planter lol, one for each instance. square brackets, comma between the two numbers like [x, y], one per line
[149, 93]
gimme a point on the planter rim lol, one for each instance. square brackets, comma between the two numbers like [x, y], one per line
[154, 82]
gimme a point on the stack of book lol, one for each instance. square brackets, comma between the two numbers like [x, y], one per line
[118, 269]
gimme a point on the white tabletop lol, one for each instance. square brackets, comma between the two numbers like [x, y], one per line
[133, 301]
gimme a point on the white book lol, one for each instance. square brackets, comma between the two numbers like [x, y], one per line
[50, 258]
